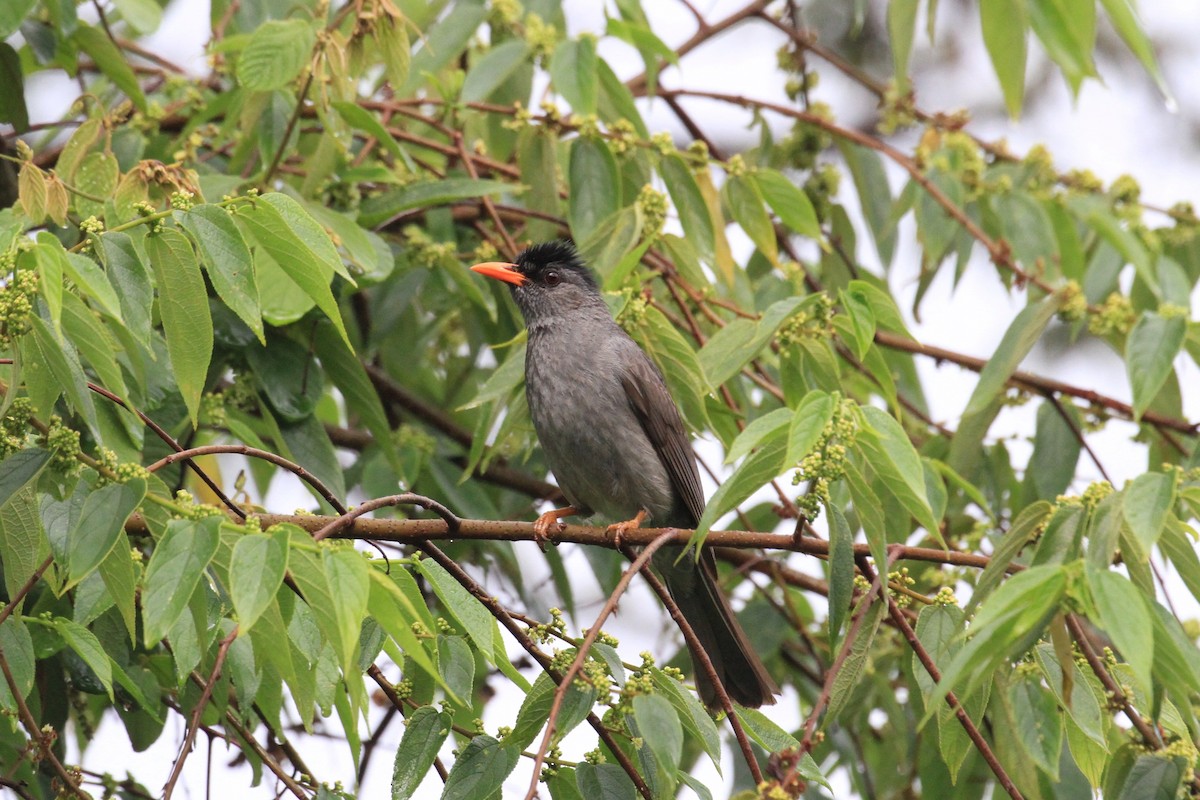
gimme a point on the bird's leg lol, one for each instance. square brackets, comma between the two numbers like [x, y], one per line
[618, 530]
[544, 523]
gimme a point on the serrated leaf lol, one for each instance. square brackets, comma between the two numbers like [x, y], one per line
[275, 54]
[658, 724]
[1005, 29]
[480, 769]
[1148, 500]
[256, 571]
[1123, 615]
[689, 203]
[17, 646]
[378, 210]
[759, 468]
[59, 358]
[112, 63]
[595, 186]
[227, 260]
[88, 647]
[573, 72]
[21, 469]
[856, 661]
[897, 463]
[789, 202]
[476, 621]
[841, 570]
[426, 729]
[746, 204]
[488, 72]
[175, 570]
[99, 526]
[183, 305]
[1018, 340]
[299, 247]
[1150, 353]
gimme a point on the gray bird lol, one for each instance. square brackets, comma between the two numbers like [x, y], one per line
[614, 439]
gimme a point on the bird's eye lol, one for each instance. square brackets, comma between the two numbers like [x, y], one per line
[553, 278]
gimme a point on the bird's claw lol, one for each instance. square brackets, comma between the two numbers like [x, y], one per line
[617, 530]
[549, 524]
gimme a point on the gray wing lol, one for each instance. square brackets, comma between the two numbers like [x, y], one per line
[654, 407]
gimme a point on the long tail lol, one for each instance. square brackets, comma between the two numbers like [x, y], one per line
[694, 588]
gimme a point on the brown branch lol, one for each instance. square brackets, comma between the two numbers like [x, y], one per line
[1036, 383]
[42, 740]
[194, 725]
[960, 713]
[413, 531]
[25, 589]
[254, 452]
[568, 678]
[701, 655]
[504, 618]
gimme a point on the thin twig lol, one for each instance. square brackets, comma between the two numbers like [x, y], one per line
[194, 725]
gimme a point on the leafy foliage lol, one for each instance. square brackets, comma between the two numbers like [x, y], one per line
[270, 261]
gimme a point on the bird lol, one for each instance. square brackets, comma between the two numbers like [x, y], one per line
[617, 445]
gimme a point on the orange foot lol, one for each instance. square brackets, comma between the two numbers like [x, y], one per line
[550, 520]
[618, 530]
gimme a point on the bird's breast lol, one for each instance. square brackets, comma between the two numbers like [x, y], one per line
[594, 445]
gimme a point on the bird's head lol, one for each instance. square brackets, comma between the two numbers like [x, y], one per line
[546, 279]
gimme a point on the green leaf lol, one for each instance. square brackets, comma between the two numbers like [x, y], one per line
[275, 54]
[1010, 621]
[256, 571]
[112, 63]
[496, 66]
[174, 572]
[862, 321]
[88, 647]
[457, 663]
[23, 542]
[604, 782]
[1123, 16]
[99, 526]
[120, 578]
[443, 43]
[573, 72]
[694, 717]
[767, 425]
[812, 415]
[1154, 777]
[1018, 340]
[17, 646]
[658, 724]
[789, 202]
[535, 710]
[299, 247]
[21, 469]
[183, 305]
[1122, 614]
[1005, 29]
[1067, 29]
[425, 731]
[689, 202]
[902, 27]
[53, 368]
[129, 275]
[759, 468]
[1148, 501]
[377, 211]
[874, 195]
[728, 350]
[1040, 723]
[227, 260]
[746, 204]
[480, 769]
[595, 186]
[841, 569]
[358, 117]
[896, 461]
[1150, 353]
[12, 14]
[1025, 529]
[856, 661]
[144, 16]
[475, 620]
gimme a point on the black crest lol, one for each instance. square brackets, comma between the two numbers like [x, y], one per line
[560, 254]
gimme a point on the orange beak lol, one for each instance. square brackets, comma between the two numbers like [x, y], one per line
[501, 271]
